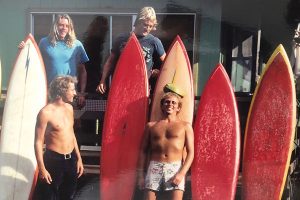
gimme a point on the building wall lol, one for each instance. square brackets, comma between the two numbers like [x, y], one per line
[15, 18]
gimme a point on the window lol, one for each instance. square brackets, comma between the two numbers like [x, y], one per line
[98, 31]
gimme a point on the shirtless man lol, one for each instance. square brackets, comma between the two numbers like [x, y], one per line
[61, 164]
[164, 143]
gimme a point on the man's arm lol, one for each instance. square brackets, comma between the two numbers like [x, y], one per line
[76, 148]
[107, 68]
[155, 72]
[189, 143]
[143, 158]
[79, 159]
[82, 78]
[40, 129]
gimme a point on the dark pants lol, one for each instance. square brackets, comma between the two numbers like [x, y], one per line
[63, 171]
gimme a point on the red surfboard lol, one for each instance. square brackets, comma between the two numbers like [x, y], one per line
[124, 123]
[270, 131]
[217, 141]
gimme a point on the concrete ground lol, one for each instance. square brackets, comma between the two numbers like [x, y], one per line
[88, 189]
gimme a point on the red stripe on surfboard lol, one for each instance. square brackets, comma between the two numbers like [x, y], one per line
[270, 131]
[124, 123]
[217, 141]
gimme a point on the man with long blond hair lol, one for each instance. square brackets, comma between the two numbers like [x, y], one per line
[145, 22]
[63, 54]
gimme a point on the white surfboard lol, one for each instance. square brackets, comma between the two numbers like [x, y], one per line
[26, 95]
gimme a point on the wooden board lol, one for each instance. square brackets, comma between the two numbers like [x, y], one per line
[270, 131]
[176, 69]
[124, 123]
[215, 167]
[26, 95]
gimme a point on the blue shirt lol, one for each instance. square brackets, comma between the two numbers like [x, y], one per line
[150, 45]
[61, 59]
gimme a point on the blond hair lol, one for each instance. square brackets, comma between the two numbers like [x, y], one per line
[70, 37]
[146, 13]
[60, 85]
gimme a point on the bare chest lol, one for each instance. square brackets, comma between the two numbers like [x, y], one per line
[60, 121]
[167, 131]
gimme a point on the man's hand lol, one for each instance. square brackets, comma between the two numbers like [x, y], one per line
[45, 176]
[154, 73]
[176, 180]
[21, 45]
[101, 87]
[81, 100]
[80, 168]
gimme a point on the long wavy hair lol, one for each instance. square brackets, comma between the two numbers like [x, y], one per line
[70, 37]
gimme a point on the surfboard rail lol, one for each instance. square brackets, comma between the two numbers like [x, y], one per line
[124, 122]
[270, 130]
[214, 172]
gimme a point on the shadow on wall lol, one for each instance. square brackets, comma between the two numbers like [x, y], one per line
[94, 39]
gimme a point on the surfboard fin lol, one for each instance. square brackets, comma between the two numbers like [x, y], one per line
[170, 87]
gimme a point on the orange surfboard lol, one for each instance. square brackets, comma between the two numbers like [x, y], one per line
[124, 123]
[270, 131]
[176, 69]
[217, 141]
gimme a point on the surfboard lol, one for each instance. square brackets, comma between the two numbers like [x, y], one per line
[214, 171]
[0, 80]
[124, 123]
[176, 69]
[26, 95]
[270, 131]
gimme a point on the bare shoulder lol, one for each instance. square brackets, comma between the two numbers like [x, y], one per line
[46, 110]
[45, 114]
[187, 125]
[150, 124]
[183, 123]
[69, 106]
